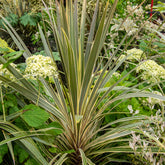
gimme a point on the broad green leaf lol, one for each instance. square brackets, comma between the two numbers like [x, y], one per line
[11, 57]
[55, 55]
[21, 153]
[28, 19]
[57, 128]
[13, 19]
[34, 115]
[69, 151]
[31, 162]
[53, 150]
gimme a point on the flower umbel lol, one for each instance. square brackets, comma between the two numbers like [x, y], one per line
[40, 66]
[151, 71]
[135, 54]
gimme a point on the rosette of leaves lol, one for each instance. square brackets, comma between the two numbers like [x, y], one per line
[76, 106]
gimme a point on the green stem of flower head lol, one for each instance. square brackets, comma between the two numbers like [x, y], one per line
[3, 107]
[38, 93]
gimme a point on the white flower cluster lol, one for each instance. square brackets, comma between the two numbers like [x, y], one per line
[128, 25]
[4, 72]
[135, 54]
[40, 66]
[150, 25]
[131, 24]
[133, 112]
[139, 12]
[151, 71]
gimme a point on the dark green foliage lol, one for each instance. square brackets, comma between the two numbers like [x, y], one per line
[34, 116]
[31, 162]
[3, 151]
[26, 20]
[26, 26]
[12, 18]
[29, 19]
[57, 129]
[22, 157]
[20, 153]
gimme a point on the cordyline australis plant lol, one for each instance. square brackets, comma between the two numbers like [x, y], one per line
[76, 105]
